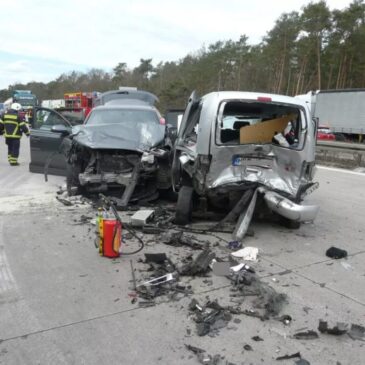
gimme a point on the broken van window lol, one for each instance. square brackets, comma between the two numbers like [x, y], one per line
[243, 122]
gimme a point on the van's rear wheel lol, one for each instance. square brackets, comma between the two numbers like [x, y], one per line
[288, 223]
[184, 206]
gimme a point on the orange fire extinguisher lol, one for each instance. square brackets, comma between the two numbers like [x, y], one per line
[110, 235]
[109, 231]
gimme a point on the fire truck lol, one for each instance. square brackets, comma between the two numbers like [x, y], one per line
[78, 105]
[74, 106]
[80, 101]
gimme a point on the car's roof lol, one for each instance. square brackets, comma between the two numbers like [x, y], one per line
[246, 95]
[122, 106]
[126, 94]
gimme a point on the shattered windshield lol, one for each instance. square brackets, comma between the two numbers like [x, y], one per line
[130, 129]
[122, 116]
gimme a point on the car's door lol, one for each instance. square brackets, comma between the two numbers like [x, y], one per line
[173, 118]
[190, 108]
[45, 144]
[187, 123]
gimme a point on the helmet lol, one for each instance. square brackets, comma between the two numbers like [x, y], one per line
[16, 106]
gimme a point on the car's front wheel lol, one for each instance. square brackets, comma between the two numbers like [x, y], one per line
[184, 206]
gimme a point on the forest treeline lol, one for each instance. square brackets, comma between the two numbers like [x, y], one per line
[315, 48]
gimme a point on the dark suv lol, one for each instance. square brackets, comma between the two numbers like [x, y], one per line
[121, 146]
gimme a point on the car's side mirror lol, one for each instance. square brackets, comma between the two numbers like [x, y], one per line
[60, 128]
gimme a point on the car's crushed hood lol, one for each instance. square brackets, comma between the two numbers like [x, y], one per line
[137, 137]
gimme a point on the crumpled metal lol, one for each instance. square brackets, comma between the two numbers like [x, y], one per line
[138, 136]
[279, 180]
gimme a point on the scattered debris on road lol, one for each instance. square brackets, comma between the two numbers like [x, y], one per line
[247, 253]
[180, 238]
[287, 357]
[210, 317]
[159, 279]
[221, 268]
[141, 217]
[157, 258]
[286, 319]
[307, 335]
[199, 265]
[357, 332]
[338, 330]
[234, 245]
[257, 338]
[203, 357]
[336, 253]
[304, 362]
[64, 201]
[75, 200]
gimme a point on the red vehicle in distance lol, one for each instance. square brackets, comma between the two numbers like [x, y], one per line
[80, 102]
[325, 134]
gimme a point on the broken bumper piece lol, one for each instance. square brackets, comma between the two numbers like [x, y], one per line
[288, 209]
[109, 178]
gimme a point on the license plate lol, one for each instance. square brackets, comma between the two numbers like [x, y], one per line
[238, 161]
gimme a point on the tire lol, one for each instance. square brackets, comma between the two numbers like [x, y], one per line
[184, 206]
[168, 194]
[163, 177]
[288, 223]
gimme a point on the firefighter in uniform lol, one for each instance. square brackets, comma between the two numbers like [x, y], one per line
[13, 126]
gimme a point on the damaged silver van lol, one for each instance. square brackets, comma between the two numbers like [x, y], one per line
[236, 149]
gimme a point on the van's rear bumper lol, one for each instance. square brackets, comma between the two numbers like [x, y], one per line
[290, 210]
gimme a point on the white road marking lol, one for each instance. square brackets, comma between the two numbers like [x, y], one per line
[7, 281]
[341, 170]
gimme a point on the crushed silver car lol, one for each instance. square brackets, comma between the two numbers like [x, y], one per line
[239, 149]
[122, 145]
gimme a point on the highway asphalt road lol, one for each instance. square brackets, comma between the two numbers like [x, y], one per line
[61, 303]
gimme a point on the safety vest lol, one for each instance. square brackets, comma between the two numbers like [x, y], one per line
[13, 126]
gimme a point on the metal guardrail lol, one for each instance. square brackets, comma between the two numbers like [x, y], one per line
[334, 145]
[342, 154]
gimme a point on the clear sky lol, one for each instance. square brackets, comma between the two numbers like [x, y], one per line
[40, 39]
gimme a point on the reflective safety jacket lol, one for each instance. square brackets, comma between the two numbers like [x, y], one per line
[12, 126]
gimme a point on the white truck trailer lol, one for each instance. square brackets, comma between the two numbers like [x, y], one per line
[343, 111]
[53, 104]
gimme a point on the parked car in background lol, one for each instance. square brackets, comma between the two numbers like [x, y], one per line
[325, 134]
[234, 143]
